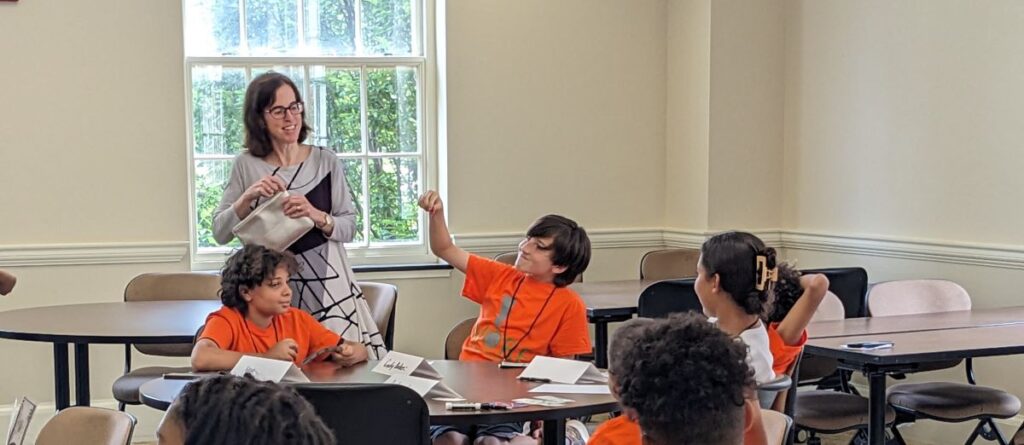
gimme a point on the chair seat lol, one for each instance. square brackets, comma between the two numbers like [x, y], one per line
[126, 387]
[833, 412]
[954, 401]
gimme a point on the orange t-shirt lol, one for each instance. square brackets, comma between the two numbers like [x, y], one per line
[783, 355]
[230, 330]
[557, 314]
[623, 431]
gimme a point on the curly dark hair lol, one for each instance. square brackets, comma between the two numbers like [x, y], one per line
[787, 291]
[242, 410]
[733, 256]
[249, 267]
[686, 379]
[571, 247]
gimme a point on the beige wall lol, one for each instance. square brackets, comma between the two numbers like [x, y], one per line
[903, 118]
[897, 119]
[687, 113]
[556, 106]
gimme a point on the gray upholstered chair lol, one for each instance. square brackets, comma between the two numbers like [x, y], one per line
[382, 299]
[87, 425]
[824, 410]
[154, 287]
[942, 401]
[457, 336]
[667, 264]
[510, 259]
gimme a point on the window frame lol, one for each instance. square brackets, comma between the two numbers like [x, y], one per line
[381, 253]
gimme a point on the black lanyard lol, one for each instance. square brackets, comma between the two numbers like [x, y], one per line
[508, 318]
[289, 187]
[277, 337]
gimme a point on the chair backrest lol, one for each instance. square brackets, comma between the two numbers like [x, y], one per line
[456, 337]
[776, 426]
[830, 309]
[507, 257]
[768, 391]
[382, 299]
[666, 264]
[172, 286]
[510, 259]
[850, 284]
[665, 297]
[370, 414]
[86, 424]
[785, 401]
[814, 367]
[906, 297]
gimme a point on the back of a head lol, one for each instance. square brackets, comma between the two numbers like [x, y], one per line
[241, 410]
[7, 282]
[685, 378]
[787, 291]
[734, 257]
[571, 247]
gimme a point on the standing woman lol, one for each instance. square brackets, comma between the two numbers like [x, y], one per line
[276, 160]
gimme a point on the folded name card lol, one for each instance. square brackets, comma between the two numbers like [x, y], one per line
[424, 386]
[397, 363]
[267, 369]
[560, 370]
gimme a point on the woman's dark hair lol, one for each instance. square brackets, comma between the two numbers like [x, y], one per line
[571, 245]
[240, 410]
[787, 291]
[686, 379]
[249, 267]
[733, 256]
[259, 96]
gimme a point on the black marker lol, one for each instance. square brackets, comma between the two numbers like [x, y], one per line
[534, 379]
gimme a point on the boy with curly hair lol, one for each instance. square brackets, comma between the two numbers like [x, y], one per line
[258, 319]
[680, 380]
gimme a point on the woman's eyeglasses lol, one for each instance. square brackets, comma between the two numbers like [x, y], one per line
[295, 109]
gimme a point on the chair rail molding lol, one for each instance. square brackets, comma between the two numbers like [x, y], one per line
[92, 253]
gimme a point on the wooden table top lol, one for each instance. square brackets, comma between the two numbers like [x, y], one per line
[935, 321]
[926, 346]
[117, 322]
[622, 294]
[476, 381]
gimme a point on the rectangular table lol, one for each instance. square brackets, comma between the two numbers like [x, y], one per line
[912, 347]
[919, 322]
[608, 302]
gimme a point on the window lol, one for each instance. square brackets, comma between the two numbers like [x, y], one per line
[361, 66]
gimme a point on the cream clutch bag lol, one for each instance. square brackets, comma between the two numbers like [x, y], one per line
[268, 226]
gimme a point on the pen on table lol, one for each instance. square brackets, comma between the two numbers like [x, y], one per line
[534, 379]
[473, 406]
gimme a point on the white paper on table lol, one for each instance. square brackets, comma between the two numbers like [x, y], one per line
[397, 363]
[267, 369]
[572, 389]
[21, 416]
[424, 386]
[560, 370]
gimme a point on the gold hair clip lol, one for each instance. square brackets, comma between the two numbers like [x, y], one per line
[764, 275]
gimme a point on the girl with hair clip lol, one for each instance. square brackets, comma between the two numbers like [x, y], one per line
[735, 276]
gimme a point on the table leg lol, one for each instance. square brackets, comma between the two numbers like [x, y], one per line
[61, 380]
[876, 407]
[82, 374]
[601, 344]
[554, 432]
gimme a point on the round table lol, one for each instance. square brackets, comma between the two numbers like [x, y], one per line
[476, 381]
[152, 322]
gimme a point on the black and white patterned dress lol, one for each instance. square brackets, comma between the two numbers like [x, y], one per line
[325, 285]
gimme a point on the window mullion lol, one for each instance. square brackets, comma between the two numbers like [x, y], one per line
[243, 39]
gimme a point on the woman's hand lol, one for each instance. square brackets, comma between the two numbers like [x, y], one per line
[266, 187]
[348, 354]
[285, 350]
[431, 202]
[297, 206]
